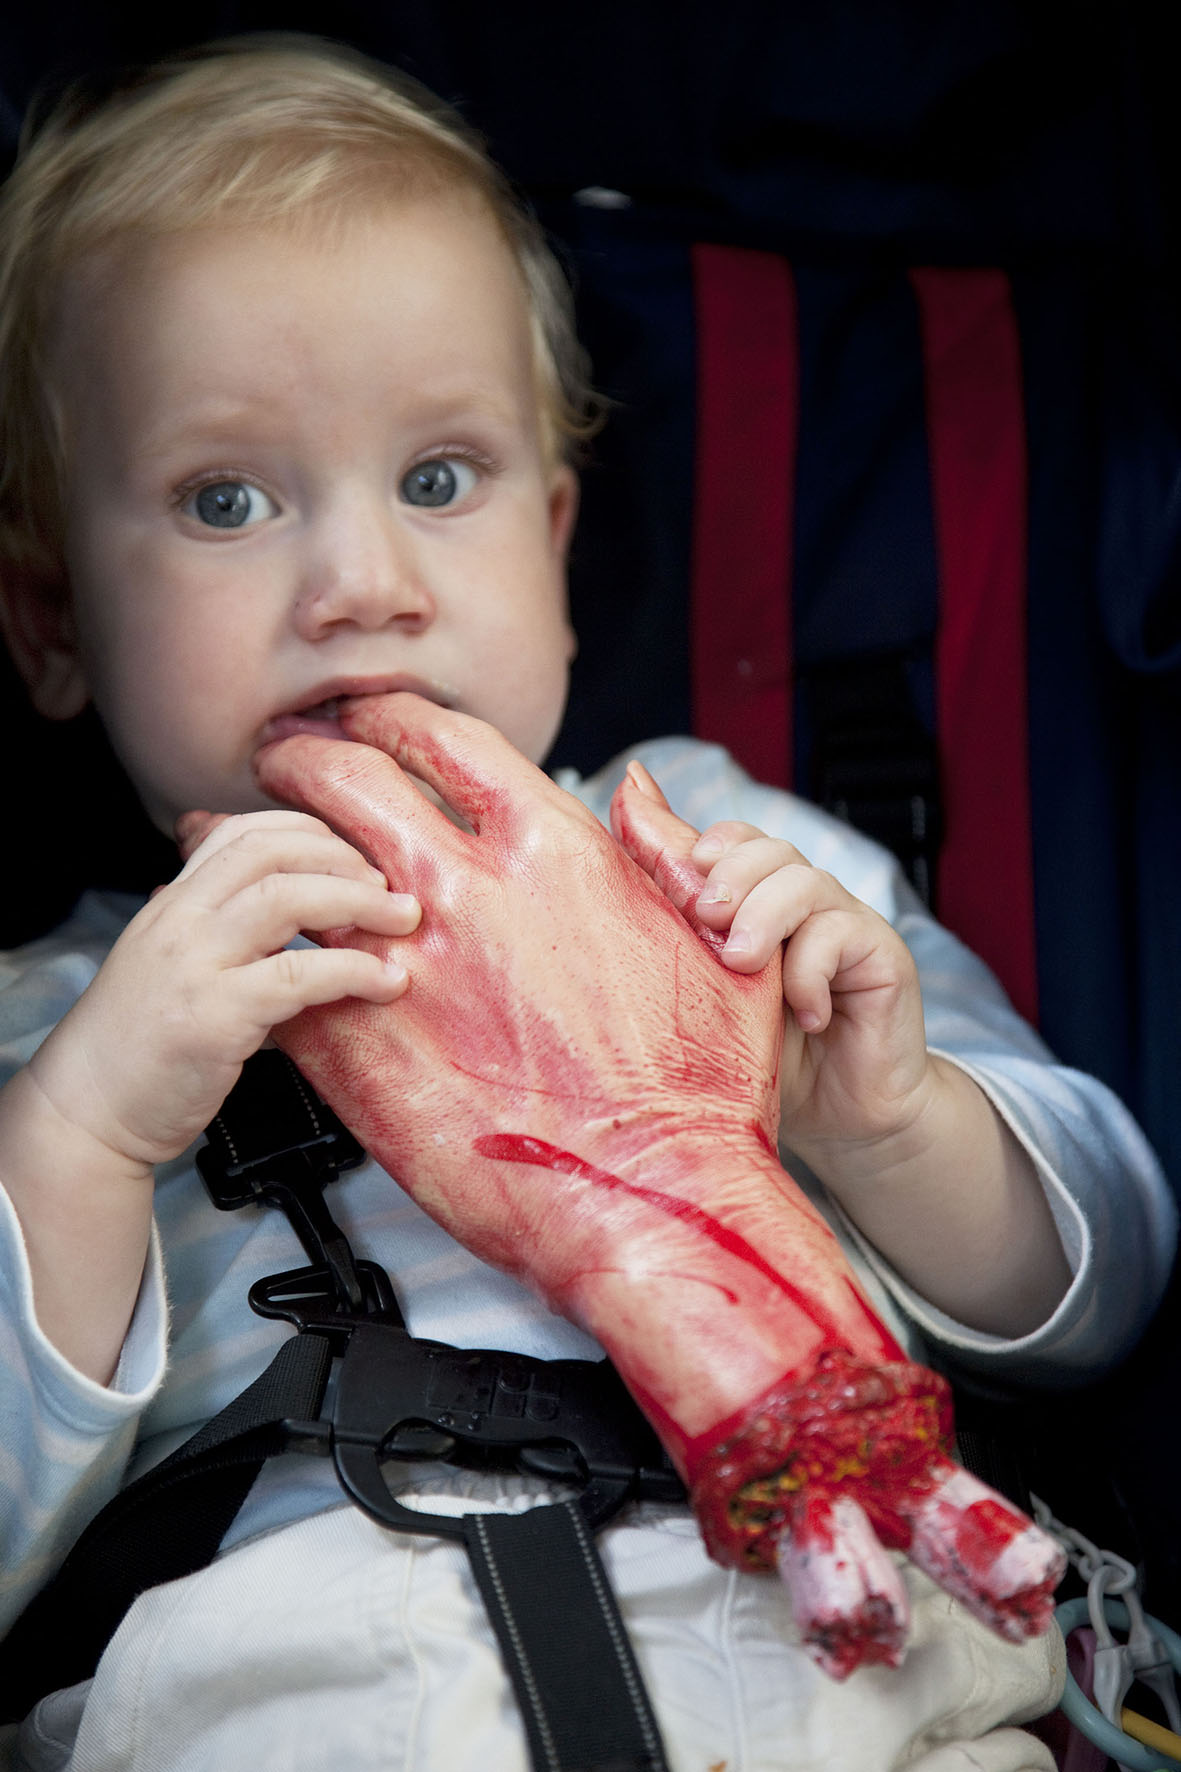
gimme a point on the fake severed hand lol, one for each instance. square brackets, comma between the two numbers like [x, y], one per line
[581, 1094]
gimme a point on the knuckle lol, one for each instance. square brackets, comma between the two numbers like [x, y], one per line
[238, 826]
[273, 889]
[290, 968]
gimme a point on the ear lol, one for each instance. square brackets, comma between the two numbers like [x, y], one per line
[563, 509]
[37, 621]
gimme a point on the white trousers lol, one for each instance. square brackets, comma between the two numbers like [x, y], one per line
[333, 1645]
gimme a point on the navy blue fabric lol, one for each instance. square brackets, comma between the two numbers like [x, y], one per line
[867, 585]
[1086, 942]
[631, 561]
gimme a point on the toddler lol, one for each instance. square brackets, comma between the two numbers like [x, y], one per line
[289, 394]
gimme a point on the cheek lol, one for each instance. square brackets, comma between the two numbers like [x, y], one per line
[532, 688]
[166, 689]
[141, 681]
[164, 640]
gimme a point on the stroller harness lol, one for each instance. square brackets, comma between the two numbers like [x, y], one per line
[395, 1399]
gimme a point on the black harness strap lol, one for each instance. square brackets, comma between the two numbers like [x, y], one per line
[168, 1523]
[548, 1597]
[529, 1567]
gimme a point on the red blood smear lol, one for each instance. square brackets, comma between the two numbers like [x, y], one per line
[885, 1421]
[868, 1637]
[512, 1147]
[758, 1431]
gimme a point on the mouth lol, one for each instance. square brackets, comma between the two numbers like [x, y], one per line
[321, 716]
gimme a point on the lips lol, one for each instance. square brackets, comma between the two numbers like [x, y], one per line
[319, 711]
[322, 718]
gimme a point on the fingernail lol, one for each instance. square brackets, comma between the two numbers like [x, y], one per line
[738, 942]
[407, 908]
[717, 893]
[640, 779]
[807, 1020]
[708, 848]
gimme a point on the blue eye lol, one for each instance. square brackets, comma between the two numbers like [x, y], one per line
[438, 482]
[229, 504]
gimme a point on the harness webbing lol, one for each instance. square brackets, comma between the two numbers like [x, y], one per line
[168, 1523]
[547, 1594]
[581, 1694]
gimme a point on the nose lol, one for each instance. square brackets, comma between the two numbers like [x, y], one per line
[362, 569]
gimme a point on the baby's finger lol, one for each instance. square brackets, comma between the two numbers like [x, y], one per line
[202, 835]
[272, 911]
[720, 838]
[192, 828]
[210, 831]
[775, 907]
[743, 871]
[278, 987]
[243, 849]
[819, 957]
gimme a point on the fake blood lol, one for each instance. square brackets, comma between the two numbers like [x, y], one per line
[515, 1148]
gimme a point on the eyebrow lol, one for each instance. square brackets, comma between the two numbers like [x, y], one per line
[208, 416]
[209, 419]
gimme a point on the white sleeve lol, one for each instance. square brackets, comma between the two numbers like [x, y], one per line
[1115, 1213]
[1111, 1203]
[66, 1440]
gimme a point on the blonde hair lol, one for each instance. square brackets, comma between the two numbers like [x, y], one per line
[255, 128]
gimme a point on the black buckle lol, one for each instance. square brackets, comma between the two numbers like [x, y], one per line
[396, 1397]
[569, 1421]
[243, 1165]
[572, 1422]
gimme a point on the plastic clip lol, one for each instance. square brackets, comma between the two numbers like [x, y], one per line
[275, 1144]
[397, 1399]
[570, 1421]
[1142, 1657]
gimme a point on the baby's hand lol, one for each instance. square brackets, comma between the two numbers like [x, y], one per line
[855, 1068]
[855, 1062]
[199, 977]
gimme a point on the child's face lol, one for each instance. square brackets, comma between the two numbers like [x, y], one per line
[297, 470]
